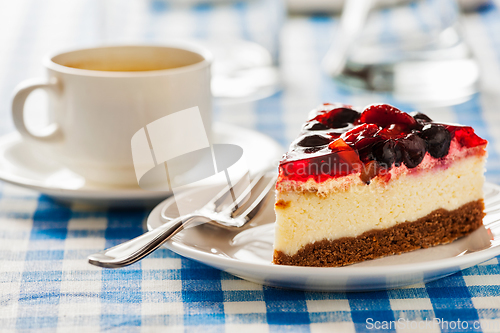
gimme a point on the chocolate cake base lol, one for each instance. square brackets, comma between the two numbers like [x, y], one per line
[439, 227]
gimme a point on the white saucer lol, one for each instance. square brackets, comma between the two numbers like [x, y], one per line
[247, 253]
[21, 165]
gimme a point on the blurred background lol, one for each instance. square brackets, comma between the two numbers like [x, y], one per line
[276, 59]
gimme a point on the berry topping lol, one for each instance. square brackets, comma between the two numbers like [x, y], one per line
[370, 143]
[384, 115]
[313, 141]
[315, 126]
[418, 116]
[438, 140]
[338, 117]
[413, 149]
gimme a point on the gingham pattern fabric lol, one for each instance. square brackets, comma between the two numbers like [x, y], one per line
[46, 284]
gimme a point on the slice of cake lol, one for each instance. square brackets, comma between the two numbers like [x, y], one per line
[363, 185]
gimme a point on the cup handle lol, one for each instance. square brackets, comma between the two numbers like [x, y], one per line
[51, 133]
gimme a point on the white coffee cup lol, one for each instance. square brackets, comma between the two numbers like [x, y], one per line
[99, 97]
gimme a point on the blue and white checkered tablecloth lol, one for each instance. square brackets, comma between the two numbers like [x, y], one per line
[46, 284]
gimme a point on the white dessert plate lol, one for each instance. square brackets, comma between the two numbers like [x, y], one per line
[247, 253]
[22, 165]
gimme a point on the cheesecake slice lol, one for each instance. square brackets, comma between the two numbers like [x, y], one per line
[362, 185]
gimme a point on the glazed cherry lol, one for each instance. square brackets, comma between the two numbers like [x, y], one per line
[438, 139]
[386, 153]
[393, 131]
[418, 116]
[413, 149]
[313, 141]
[338, 117]
[384, 115]
[358, 133]
[315, 126]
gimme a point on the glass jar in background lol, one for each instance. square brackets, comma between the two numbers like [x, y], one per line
[242, 34]
[411, 48]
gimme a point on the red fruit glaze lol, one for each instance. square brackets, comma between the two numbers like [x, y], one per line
[465, 136]
[322, 167]
[355, 138]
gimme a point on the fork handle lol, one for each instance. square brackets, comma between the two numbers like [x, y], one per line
[135, 249]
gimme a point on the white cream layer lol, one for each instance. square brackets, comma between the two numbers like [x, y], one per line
[306, 217]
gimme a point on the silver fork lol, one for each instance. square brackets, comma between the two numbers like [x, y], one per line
[214, 212]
